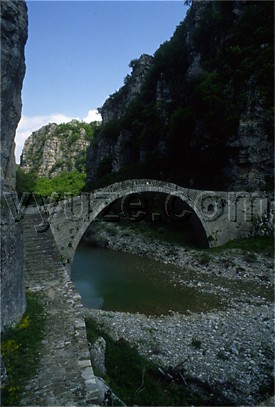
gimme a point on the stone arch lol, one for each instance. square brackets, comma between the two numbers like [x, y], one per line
[223, 216]
[121, 189]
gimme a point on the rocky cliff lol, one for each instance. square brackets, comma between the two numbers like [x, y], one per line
[55, 148]
[114, 107]
[113, 149]
[202, 114]
[13, 38]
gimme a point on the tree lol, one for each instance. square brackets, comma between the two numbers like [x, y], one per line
[25, 182]
[68, 182]
[133, 63]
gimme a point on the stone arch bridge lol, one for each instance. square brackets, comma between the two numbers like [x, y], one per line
[223, 216]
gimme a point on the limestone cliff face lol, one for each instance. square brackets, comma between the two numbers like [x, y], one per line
[252, 150]
[202, 114]
[114, 107]
[114, 150]
[55, 148]
[13, 38]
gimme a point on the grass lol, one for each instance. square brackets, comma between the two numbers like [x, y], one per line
[137, 381]
[260, 245]
[20, 350]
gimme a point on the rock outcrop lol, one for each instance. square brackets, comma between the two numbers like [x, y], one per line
[55, 148]
[252, 157]
[201, 115]
[14, 31]
[97, 355]
[114, 150]
[114, 107]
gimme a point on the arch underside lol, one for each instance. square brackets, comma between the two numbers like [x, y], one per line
[218, 216]
[194, 224]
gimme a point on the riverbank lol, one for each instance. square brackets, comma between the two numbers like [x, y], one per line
[235, 274]
[230, 349]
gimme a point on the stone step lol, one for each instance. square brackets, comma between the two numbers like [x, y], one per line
[62, 376]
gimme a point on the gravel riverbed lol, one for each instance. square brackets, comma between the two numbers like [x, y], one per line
[230, 349]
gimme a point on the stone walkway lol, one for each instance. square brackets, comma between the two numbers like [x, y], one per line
[65, 376]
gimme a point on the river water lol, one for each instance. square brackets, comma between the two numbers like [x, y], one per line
[116, 281]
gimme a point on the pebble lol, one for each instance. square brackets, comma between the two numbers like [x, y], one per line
[232, 347]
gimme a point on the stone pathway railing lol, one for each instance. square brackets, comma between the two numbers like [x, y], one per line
[65, 376]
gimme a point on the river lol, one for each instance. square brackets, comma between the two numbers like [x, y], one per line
[115, 281]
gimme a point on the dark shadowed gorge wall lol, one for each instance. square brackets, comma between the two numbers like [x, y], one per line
[198, 113]
[14, 29]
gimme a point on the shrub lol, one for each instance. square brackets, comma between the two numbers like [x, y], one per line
[204, 259]
[20, 350]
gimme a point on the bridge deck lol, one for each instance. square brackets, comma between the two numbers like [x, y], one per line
[65, 375]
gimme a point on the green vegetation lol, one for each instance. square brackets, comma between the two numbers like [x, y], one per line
[204, 110]
[67, 182]
[20, 350]
[72, 171]
[72, 130]
[252, 245]
[137, 381]
[25, 182]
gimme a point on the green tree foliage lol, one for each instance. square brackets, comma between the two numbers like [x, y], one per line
[133, 63]
[66, 182]
[72, 130]
[20, 349]
[25, 182]
[203, 110]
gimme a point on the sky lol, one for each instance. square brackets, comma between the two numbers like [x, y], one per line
[78, 53]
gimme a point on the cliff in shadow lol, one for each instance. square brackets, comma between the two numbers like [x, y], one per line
[13, 38]
[200, 111]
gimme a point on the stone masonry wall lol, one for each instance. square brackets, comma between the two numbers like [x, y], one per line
[224, 216]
